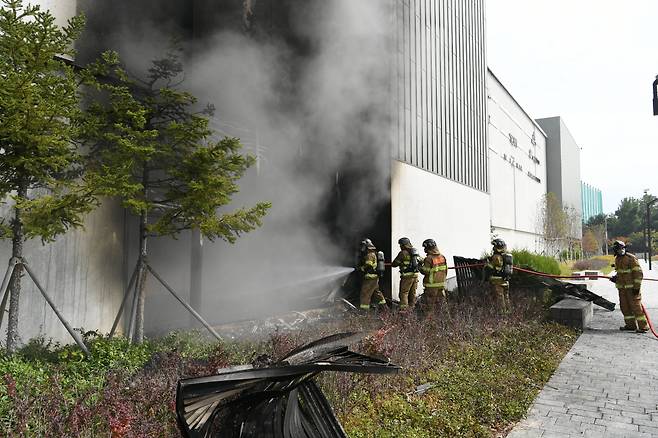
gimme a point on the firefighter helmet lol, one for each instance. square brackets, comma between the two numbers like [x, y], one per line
[429, 244]
[404, 242]
[367, 244]
[619, 247]
[499, 244]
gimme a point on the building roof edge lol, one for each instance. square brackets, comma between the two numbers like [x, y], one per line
[516, 102]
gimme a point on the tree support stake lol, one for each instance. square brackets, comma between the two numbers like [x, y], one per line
[187, 306]
[5, 292]
[76, 336]
[123, 302]
[4, 288]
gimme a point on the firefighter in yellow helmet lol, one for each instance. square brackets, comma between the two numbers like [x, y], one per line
[407, 260]
[628, 280]
[499, 270]
[435, 270]
[368, 266]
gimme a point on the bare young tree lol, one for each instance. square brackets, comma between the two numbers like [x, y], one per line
[552, 223]
[574, 230]
[591, 245]
[598, 231]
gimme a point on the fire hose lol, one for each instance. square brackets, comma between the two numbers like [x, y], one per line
[566, 277]
[644, 310]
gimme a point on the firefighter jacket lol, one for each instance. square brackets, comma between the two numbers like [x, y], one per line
[496, 266]
[629, 272]
[403, 260]
[435, 270]
[368, 265]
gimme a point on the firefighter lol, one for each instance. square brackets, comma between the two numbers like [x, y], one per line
[407, 260]
[368, 266]
[628, 280]
[499, 270]
[435, 270]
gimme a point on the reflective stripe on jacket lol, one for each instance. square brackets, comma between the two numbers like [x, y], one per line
[496, 263]
[403, 260]
[435, 269]
[629, 272]
[370, 260]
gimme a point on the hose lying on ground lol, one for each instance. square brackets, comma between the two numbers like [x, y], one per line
[646, 315]
[565, 277]
[541, 274]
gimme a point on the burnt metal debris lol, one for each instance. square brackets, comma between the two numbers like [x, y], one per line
[279, 400]
[470, 278]
[470, 283]
[565, 288]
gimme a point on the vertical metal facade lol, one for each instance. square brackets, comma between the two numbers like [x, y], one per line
[440, 88]
[592, 201]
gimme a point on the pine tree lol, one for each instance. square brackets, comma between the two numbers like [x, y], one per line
[153, 150]
[41, 167]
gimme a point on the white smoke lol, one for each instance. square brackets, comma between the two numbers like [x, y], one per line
[307, 119]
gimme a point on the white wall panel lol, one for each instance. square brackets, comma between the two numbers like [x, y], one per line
[63, 10]
[517, 160]
[425, 205]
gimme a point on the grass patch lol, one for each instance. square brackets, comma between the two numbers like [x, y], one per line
[566, 268]
[477, 388]
[597, 263]
[609, 260]
[536, 262]
[484, 370]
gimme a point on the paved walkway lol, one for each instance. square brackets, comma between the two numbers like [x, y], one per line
[607, 385]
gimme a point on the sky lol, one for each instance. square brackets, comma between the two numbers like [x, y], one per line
[593, 63]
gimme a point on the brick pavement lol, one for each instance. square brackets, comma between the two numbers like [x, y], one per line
[607, 385]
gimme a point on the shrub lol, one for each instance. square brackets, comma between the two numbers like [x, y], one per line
[477, 386]
[590, 265]
[484, 368]
[536, 262]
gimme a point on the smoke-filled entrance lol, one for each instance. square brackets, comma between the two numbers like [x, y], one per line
[305, 86]
[349, 223]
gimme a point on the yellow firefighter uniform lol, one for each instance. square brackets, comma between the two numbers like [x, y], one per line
[370, 284]
[408, 279]
[435, 270]
[499, 285]
[628, 282]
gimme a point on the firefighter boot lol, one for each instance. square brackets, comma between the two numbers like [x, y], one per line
[379, 298]
[368, 288]
[626, 328]
[625, 307]
[642, 325]
[635, 301]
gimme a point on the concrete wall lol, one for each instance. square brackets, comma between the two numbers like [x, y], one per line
[551, 127]
[82, 271]
[517, 166]
[425, 205]
[570, 151]
[519, 239]
[63, 10]
[563, 171]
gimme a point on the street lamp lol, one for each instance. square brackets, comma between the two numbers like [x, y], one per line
[649, 204]
[655, 97]
[605, 221]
